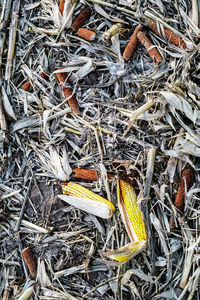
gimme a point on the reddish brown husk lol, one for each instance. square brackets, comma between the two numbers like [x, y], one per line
[89, 174]
[86, 34]
[81, 18]
[153, 52]
[68, 92]
[169, 35]
[132, 44]
[185, 183]
[30, 261]
[27, 86]
[62, 4]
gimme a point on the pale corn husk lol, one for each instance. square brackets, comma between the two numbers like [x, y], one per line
[93, 207]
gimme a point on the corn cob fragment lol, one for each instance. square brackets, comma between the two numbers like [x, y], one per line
[82, 18]
[84, 199]
[73, 103]
[132, 44]
[30, 261]
[153, 52]
[184, 185]
[168, 34]
[86, 34]
[89, 174]
[27, 86]
[62, 4]
[133, 221]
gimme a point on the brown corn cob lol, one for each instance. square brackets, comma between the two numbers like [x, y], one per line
[62, 4]
[132, 44]
[27, 86]
[30, 261]
[68, 92]
[81, 18]
[88, 174]
[153, 53]
[185, 183]
[169, 35]
[86, 34]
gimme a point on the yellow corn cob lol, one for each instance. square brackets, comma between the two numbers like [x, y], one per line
[86, 200]
[131, 213]
[133, 220]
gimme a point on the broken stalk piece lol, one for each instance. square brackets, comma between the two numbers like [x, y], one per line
[84, 199]
[133, 221]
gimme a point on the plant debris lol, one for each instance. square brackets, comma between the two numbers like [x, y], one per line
[119, 100]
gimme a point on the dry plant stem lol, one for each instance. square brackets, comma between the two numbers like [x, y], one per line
[17, 226]
[144, 207]
[107, 4]
[27, 293]
[113, 30]
[30, 261]
[12, 38]
[3, 26]
[132, 44]
[88, 174]
[168, 34]
[27, 86]
[184, 185]
[189, 252]
[62, 4]
[73, 103]
[153, 52]
[86, 34]
[82, 18]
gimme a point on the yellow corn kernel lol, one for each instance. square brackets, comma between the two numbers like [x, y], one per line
[86, 200]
